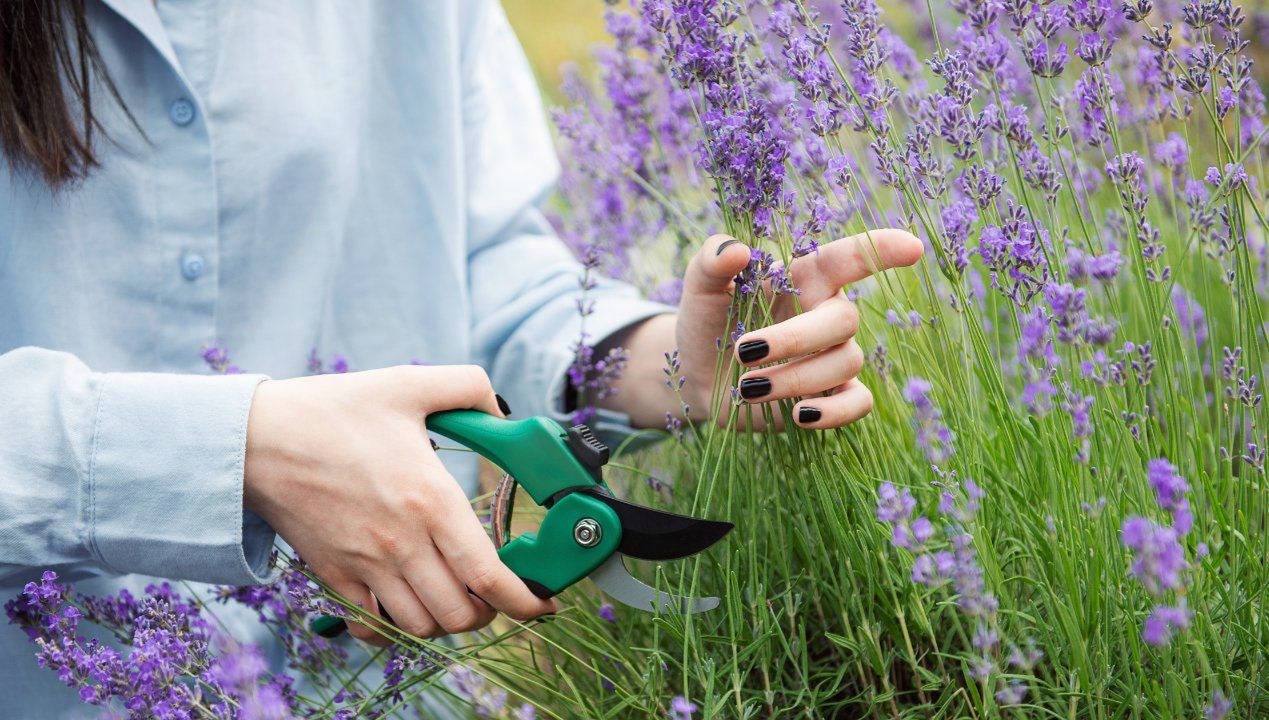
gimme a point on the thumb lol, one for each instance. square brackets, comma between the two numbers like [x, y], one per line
[707, 288]
[719, 261]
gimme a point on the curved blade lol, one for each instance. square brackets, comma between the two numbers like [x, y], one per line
[650, 534]
[617, 582]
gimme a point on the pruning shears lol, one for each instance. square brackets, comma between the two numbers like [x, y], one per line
[587, 529]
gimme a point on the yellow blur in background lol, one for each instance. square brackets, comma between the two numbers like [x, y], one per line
[554, 32]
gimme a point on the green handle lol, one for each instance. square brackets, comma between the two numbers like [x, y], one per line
[550, 561]
[540, 455]
[555, 557]
[535, 451]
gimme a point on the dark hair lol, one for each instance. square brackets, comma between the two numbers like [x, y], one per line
[48, 64]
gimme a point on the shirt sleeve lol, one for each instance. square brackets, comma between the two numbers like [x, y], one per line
[114, 473]
[523, 280]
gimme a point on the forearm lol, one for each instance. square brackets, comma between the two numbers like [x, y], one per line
[642, 392]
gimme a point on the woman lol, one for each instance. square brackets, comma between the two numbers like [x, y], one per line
[355, 178]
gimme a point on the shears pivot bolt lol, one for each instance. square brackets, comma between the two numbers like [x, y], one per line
[587, 533]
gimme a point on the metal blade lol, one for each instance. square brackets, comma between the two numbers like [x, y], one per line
[617, 582]
[650, 534]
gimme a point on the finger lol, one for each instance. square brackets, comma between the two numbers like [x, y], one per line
[811, 374]
[830, 323]
[470, 553]
[845, 405]
[359, 595]
[707, 288]
[433, 388]
[852, 259]
[714, 267]
[408, 613]
[448, 601]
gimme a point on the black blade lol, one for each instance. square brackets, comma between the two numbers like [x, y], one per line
[651, 534]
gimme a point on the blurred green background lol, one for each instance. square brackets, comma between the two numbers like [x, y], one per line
[554, 32]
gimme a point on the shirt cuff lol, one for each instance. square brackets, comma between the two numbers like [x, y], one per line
[611, 315]
[164, 493]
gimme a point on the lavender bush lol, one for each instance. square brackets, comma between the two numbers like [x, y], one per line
[1058, 507]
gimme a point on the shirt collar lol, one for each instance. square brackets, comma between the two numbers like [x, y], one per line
[144, 16]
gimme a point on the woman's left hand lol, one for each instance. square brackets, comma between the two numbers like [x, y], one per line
[802, 354]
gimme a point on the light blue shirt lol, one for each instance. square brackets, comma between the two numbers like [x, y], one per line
[355, 178]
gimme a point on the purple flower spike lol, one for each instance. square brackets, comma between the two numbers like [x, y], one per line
[924, 570]
[1173, 153]
[1164, 622]
[217, 359]
[1012, 694]
[1219, 707]
[607, 613]
[894, 505]
[1170, 489]
[1190, 315]
[1159, 558]
[932, 435]
[922, 529]
[682, 709]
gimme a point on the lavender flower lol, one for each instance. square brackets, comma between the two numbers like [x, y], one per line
[285, 606]
[1026, 658]
[217, 358]
[894, 507]
[1173, 153]
[591, 379]
[1012, 694]
[168, 669]
[607, 613]
[1164, 622]
[1190, 315]
[240, 672]
[1014, 254]
[1100, 268]
[682, 709]
[1159, 558]
[958, 220]
[1219, 707]
[1170, 490]
[933, 436]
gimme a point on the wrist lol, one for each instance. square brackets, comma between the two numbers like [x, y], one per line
[642, 392]
[259, 460]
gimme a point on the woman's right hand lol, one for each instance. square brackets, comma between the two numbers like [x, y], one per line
[342, 468]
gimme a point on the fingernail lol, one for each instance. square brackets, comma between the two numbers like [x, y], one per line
[724, 246]
[751, 388]
[808, 415]
[502, 404]
[753, 350]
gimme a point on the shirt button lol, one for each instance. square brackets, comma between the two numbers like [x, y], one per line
[192, 266]
[182, 111]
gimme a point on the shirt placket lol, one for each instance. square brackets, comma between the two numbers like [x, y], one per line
[186, 205]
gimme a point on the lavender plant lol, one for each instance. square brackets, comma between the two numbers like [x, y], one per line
[1058, 506]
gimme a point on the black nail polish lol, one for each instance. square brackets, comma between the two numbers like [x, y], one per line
[724, 246]
[751, 388]
[753, 350]
[502, 404]
[808, 415]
